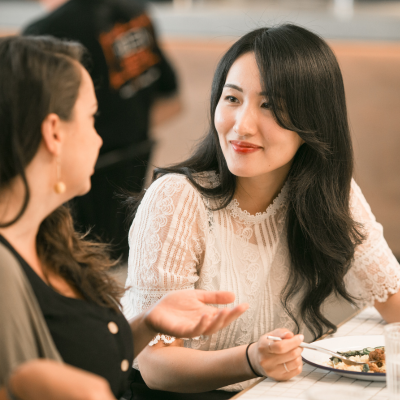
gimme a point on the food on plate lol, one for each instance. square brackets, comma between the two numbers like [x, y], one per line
[366, 356]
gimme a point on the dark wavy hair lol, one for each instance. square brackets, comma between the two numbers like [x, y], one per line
[304, 86]
[39, 76]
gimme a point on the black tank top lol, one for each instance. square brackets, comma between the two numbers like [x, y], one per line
[87, 335]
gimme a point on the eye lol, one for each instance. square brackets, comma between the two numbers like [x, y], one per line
[266, 105]
[231, 99]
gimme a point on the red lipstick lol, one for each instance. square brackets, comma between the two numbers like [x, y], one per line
[244, 147]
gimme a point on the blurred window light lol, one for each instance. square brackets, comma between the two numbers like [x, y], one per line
[343, 9]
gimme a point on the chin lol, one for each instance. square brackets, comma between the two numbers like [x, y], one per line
[85, 190]
[242, 172]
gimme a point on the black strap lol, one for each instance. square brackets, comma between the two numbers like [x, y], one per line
[248, 360]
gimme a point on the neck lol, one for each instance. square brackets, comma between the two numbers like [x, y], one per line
[255, 194]
[43, 201]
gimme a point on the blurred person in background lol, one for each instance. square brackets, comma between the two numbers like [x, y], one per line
[58, 302]
[136, 87]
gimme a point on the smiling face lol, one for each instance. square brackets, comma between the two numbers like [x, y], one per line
[82, 142]
[252, 141]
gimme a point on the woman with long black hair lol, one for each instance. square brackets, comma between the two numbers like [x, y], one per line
[266, 207]
[62, 333]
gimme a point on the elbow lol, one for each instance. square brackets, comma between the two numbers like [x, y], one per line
[154, 385]
[160, 368]
[163, 379]
[390, 309]
[148, 368]
[153, 380]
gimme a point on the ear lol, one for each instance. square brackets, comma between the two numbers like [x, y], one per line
[52, 134]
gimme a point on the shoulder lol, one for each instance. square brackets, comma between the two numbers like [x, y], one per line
[359, 206]
[166, 192]
[10, 270]
[175, 183]
[57, 22]
[37, 27]
[172, 194]
[169, 184]
[13, 283]
[169, 199]
[355, 190]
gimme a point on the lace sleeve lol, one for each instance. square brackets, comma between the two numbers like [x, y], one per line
[375, 273]
[166, 245]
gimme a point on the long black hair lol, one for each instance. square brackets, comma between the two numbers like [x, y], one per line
[39, 76]
[304, 86]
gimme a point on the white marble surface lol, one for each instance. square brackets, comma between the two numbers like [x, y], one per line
[368, 322]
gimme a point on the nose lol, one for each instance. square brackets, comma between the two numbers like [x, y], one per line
[246, 121]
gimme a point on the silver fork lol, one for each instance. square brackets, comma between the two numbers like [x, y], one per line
[346, 360]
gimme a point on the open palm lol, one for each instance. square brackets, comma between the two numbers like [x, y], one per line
[185, 313]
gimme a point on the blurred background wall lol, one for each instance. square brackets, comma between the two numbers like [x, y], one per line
[365, 36]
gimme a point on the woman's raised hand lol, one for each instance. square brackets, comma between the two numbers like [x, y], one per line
[280, 360]
[185, 313]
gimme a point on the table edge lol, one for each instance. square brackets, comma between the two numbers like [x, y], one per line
[236, 396]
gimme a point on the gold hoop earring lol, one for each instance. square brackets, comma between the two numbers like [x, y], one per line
[59, 187]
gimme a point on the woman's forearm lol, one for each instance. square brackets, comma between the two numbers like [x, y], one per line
[184, 370]
[141, 333]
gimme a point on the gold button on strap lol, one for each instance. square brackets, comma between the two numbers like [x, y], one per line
[113, 327]
[125, 365]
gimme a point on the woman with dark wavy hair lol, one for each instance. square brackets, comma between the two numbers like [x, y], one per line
[58, 302]
[265, 207]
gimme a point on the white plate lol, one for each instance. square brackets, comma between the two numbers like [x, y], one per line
[342, 344]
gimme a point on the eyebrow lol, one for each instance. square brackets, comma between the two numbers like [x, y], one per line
[238, 88]
[232, 86]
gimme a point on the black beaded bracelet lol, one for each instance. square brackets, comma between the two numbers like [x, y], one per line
[248, 360]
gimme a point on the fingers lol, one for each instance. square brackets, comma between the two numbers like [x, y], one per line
[282, 367]
[283, 333]
[218, 297]
[211, 323]
[294, 365]
[294, 369]
[281, 360]
[231, 314]
[284, 346]
[202, 326]
[218, 322]
[289, 356]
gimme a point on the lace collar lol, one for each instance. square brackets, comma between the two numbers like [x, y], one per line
[245, 217]
[211, 179]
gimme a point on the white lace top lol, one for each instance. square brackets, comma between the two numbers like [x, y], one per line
[177, 242]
